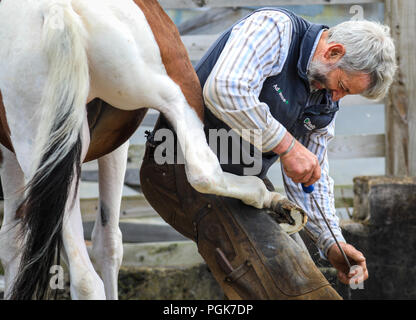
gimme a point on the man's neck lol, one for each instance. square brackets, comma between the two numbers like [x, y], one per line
[321, 47]
[317, 52]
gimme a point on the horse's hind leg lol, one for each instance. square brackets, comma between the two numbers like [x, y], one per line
[128, 72]
[106, 236]
[85, 282]
[13, 183]
[202, 167]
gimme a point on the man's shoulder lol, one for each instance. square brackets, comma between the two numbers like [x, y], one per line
[268, 15]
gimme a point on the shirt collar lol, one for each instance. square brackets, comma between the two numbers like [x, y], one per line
[308, 47]
[315, 45]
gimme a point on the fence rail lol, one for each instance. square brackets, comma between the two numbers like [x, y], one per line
[184, 4]
[357, 146]
[341, 147]
[197, 45]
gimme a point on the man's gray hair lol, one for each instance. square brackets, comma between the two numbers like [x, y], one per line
[369, 49]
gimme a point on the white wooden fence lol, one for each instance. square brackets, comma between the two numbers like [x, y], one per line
[182, 4]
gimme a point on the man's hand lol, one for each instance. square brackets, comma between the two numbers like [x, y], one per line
[355, 257]
[299, 164]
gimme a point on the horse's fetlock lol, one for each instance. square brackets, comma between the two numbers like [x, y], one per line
[88, 286]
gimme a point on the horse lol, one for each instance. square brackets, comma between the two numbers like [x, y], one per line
[57, 57]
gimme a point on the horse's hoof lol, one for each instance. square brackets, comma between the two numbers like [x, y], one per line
[289, 216]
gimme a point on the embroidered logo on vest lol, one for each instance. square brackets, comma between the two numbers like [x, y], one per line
[279, 91]
[308, 124]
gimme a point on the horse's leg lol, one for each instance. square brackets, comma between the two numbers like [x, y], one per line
[106, 236]
[13, 183]
[85, 282]
[128, 76]
[202, 167]
[44, 80]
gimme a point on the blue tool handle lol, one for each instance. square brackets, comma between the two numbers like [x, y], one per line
[308, 189]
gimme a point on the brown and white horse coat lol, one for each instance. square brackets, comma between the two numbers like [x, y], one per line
[55, 57]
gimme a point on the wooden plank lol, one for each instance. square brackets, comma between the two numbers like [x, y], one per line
[400, 104]
[341, 147]
[132, 207]
[210, 16]
[181, 4]
[140, 233]
[357, 146]
[197, 45]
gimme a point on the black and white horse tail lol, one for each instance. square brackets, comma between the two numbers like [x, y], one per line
[58, 149]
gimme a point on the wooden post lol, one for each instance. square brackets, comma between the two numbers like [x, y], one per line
[400, 15]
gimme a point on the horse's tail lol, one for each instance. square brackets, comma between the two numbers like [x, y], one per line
[58, 146]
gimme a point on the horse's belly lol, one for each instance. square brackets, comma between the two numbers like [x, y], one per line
[110, 127]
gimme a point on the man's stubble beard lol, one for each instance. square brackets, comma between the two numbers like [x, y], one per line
[318, 72]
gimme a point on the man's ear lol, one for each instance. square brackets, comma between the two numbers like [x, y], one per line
[334, 52]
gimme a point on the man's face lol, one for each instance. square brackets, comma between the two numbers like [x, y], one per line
[338, 82]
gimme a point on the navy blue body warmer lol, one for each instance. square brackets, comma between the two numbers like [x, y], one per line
[287, 94]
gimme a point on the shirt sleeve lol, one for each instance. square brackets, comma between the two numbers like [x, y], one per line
[316, 227]
[257, 49]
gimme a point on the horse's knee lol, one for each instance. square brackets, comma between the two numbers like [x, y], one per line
[202, 183]
[205, 179]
